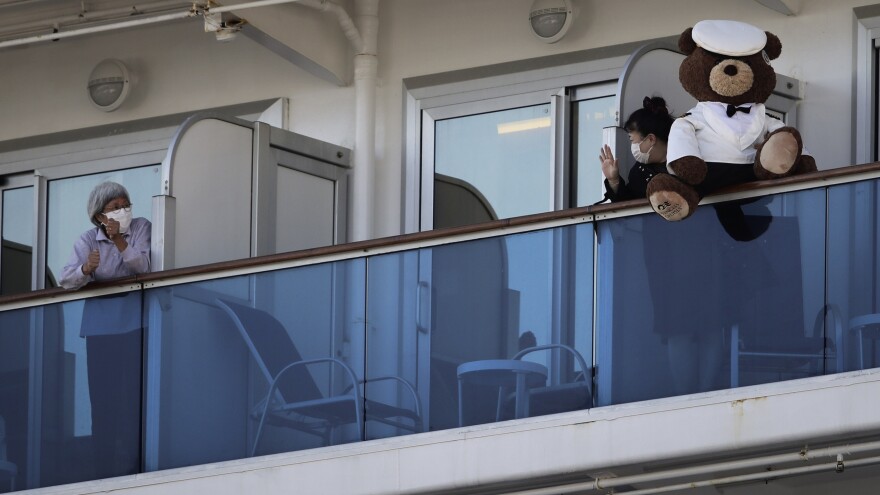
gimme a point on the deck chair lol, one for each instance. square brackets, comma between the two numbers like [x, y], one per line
[803, 355]
[866, 327]
[572, 395]
[768, 334]
[294, 400]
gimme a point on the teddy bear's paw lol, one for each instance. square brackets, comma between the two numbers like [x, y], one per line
[779, 154]
[690, 169]
[805, 165]
[671, 198]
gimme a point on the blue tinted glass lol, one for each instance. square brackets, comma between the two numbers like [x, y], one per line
[88, 400]
[17, 239]
[15, 373]
[398, 320]
[222, 344]
[592, 116]
[726, 298]
[853, 270]
[474, 317]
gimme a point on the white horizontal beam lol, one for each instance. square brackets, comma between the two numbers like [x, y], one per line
[675, 432]
[195, 10]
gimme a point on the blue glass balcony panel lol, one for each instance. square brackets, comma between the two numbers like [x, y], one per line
[217, 346]
[437, 310]
[853, 240]
[728, 297]
[70, 392]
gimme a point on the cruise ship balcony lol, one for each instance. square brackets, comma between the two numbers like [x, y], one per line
[590, 350]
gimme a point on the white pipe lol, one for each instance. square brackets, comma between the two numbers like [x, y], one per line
[365, 77]
[364, 37]
[756, 462]
[246, 5]
[97, 29]
[98, 15]
[17, 3]
[348, 28]
[762, 475]
[192, 12]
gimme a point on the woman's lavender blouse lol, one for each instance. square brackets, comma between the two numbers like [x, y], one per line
[135, 259]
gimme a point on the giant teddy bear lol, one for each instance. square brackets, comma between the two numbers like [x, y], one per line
[728, 138]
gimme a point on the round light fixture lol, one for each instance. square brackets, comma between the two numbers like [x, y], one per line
[109, 84]
[551, 19]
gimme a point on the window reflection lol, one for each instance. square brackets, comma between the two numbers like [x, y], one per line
[853, 269]
[80, 420]
[726, 298]
[472, 315]
[592, 116]
[492, 165]
[222, 343]
[17, 243]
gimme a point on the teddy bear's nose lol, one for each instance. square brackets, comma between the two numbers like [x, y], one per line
[730, 70]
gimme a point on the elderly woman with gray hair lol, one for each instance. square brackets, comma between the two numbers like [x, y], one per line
[118, 246]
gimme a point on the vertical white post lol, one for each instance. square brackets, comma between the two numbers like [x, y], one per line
[365, 77]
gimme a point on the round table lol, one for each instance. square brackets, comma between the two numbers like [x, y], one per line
[503, 373]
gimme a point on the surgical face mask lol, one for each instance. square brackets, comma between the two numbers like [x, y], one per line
[638, 154]
[121, 216]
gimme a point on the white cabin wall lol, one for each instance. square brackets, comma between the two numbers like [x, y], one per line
[420, 37]
[176, 68]
[179, 68]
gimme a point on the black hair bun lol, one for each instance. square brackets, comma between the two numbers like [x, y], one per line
[654, 104]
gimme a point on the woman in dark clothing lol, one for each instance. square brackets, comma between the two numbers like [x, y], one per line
[648, 129]
[687, 319]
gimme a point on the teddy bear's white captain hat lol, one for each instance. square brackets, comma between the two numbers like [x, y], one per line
[733, 38]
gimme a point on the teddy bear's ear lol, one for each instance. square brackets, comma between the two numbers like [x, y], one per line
[686, 42]
[773, 46]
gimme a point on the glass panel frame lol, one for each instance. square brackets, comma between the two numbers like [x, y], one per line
[586, 171]
[429, 120]
[20, 182]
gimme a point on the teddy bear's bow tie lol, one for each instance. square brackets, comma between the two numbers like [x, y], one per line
[732, 109]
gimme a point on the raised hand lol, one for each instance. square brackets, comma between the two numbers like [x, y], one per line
[610, 168]
[92, 263]
[111, 228]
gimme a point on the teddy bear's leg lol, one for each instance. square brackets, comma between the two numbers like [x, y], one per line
[671, 198]
[779, 154]
[690, 169]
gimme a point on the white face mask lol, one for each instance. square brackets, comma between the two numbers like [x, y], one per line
[638, 154]
[123, 217]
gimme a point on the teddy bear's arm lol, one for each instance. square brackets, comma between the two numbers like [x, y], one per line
[682, 141]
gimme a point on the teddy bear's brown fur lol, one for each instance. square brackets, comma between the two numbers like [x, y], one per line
[712, 77]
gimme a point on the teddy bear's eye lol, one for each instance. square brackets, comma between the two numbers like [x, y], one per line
[766, 57]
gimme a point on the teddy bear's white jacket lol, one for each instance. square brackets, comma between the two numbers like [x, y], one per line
[708, 133]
